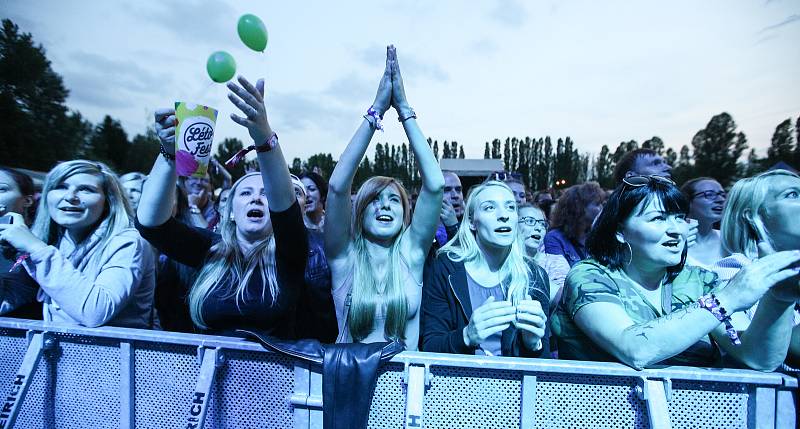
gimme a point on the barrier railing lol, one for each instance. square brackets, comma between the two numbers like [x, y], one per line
[115, 377]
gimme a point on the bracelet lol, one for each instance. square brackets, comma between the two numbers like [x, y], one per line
[711, 303]
[168, 156]
[270, 144]
[401, 118]
[371, 112]
[194, 210]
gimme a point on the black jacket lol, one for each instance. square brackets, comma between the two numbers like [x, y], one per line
[446, 310]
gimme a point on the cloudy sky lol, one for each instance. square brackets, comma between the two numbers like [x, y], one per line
[600, 72]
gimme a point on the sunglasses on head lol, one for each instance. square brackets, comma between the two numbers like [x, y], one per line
[504, 175]
[639, 181]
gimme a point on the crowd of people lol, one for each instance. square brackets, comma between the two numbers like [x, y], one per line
[646, 274]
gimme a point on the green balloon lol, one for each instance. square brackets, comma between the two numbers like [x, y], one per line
[221, 66]
[252, 32]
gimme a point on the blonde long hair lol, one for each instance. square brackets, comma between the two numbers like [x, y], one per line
[747, 195]
[515, 271]
[228, 269]
[366, 293]
[117, 211]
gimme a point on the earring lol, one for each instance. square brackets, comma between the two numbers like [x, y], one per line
[630, 253]
[231, 217]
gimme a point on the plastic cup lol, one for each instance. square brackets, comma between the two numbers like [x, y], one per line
[194, 137]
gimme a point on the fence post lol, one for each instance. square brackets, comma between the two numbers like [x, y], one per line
[212, 359]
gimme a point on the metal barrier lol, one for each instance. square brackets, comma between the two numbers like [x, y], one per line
[127, 378]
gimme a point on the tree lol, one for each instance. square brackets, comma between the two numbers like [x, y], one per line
[717, 149]
[486, 154]
[32, 103]
[321, 163]
[109, 143]
[604, 168]
[227, 149]
[461, 152]
[780, 149]
[296, 167]
[797, 143]
[141, 152]
[655, 144]
[446, 150]
[436, 149]
[507, 156]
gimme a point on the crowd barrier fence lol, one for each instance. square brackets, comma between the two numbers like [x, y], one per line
[72, 377]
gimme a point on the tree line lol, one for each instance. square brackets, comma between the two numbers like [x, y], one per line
[38, 130]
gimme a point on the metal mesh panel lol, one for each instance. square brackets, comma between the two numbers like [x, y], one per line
[76, 386]
[12, 349]
[252, 390]
[166, 376]
[388, 408]
[472, 398]
[708, 405]
[569, 401]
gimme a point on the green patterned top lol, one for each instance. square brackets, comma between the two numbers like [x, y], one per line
[589, 281]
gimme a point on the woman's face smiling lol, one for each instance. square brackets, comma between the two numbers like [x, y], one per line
[77, 203]
[705, 210]
[250, 210]
[382, 218]
[494, 220]
[532, 235]
[657, 239]
[781, 212]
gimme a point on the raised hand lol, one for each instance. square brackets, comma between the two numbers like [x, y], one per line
[756, 279]
[384, 96]
[165, 128]
[19, 236]
[448, 214]
[250, 100]
[399, 101]
[488, 319]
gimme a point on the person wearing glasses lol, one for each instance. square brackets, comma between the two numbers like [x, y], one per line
[484, 295]
[762, 216]
[635, 300]
[706, 200]
[532, 227]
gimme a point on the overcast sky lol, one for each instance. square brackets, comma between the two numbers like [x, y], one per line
[599, 72]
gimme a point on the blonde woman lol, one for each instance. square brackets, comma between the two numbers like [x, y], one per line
[91, 265]
[485, 297]
[376, 252]
[251, 272]
[762, 217]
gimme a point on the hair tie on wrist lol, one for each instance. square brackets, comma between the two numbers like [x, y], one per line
[412, 114]
[270, 144]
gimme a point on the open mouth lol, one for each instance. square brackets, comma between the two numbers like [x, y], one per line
[503, 229]
[536, 236]
[255, 214]
[71, 209]
[717, 209]
[384, 218]
[671, 244]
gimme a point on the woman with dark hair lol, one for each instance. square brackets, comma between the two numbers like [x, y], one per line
[571, 220]
[635, 301]
[706, 200]
[17, 288]
[316, 196]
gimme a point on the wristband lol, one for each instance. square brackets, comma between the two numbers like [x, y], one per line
[711, 303]
[268, 145]
[168, 156]
[371, 112]
[411, 114]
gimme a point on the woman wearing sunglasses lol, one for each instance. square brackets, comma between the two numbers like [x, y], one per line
[635, 300]
[706, 200]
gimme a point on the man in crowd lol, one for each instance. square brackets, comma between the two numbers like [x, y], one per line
[641, 162]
